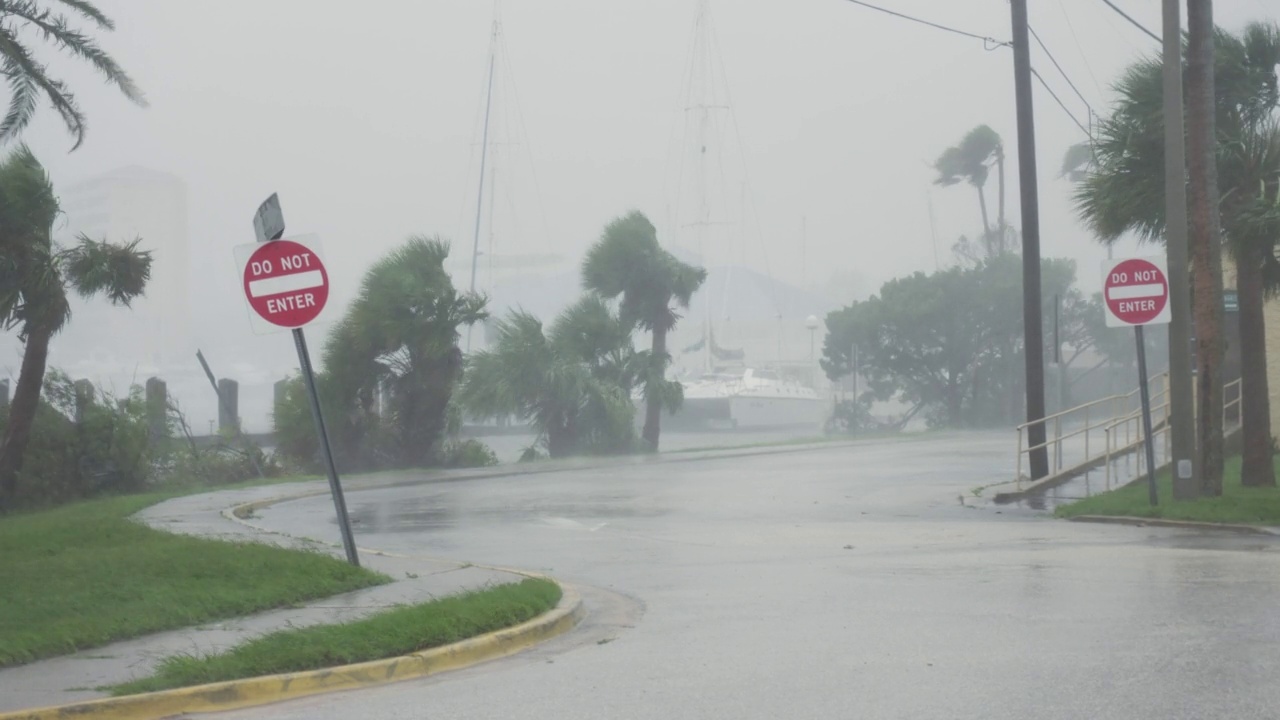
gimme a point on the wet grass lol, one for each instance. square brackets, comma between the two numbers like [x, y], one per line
[1238, 504]
[390, 634]
[84, 575]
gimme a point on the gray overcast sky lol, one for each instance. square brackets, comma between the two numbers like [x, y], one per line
[363, 117]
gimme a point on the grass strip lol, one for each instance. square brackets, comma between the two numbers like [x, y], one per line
[1237, 505]
[392, 633]
[84, 575]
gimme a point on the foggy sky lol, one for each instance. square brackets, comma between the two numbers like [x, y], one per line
[364, 118]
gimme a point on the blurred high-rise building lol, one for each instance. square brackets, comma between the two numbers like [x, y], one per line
[120, 206]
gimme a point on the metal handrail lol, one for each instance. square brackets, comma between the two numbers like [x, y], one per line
[1106, 425]
[1238, 402]
[1092, 403]
[1137, 414]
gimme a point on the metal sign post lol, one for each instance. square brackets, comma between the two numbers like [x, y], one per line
[289, 289]
[335, 485]
[1136, 294]
[1145, 394]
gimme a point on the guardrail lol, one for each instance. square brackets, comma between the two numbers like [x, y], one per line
[1084, 422]
[1071, 436]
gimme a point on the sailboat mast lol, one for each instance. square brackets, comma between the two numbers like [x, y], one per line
[484, 160]
[701, 105]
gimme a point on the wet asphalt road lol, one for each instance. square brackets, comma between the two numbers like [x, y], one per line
[836, 583]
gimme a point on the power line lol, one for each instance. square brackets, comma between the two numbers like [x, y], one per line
[990, 41]
[1083, 56]
[1135, 23]
[1060, 70]
[1054, 95]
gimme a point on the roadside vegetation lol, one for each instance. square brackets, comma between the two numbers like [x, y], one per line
[393, 633]
[85, 575]
[577, 381]
[1238, 503]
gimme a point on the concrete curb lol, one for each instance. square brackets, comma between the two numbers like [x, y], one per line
[254, 692]
[1162, 522]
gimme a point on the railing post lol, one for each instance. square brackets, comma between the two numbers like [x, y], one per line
[1087, 431]
[1017, 478]
[1057, 441]
[1167, 417]
[1106, 431]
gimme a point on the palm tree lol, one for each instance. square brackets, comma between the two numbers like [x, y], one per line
[1123, 192]
[392, 362]
[627, 261]
[970, 161]
[1206, 241]
[28, 78]
[574, 382]
[34, 277]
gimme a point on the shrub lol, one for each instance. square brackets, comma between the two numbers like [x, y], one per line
[467, 453]
[106, 451]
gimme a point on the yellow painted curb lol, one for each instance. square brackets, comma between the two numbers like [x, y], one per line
[252, 692]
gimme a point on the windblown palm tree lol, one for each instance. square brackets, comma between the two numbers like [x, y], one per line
[1123, 191]
[971, 161]
[574, 381]
[391, 364]
[628, 262]
[28, 78]
[34, 277]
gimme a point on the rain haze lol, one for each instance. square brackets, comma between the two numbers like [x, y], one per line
[368, 125]
[668, 359]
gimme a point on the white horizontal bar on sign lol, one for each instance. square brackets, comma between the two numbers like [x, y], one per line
[1129, 292]
[286, 283]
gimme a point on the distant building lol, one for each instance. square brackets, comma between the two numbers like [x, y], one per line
[120, 206]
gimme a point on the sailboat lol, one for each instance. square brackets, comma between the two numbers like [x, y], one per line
[728, 392]
[502, 128]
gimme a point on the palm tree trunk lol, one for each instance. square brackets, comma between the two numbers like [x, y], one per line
[1206, 244]
[653, 404]
[1255, 412]
[986, 222]
[1000, 206]
[22, 412]
[559, 439]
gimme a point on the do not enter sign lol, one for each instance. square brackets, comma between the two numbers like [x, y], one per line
[285, 283]
[1136, 291]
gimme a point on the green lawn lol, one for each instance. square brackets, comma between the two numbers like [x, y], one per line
[84, 575]
[1238, 504]
[390, 634]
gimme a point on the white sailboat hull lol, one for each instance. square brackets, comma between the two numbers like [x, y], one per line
[771, 412]
[748, 402]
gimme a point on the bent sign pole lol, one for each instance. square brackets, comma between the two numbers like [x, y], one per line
[287, 287]
[1136, 294]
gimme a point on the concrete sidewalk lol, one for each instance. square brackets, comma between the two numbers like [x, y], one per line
[73, 678]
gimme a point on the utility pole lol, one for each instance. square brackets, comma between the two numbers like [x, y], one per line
[1032, 312]
[1181, 410]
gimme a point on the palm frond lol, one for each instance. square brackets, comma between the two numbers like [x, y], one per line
[63, 102]
[56, 29]
[28, 77]
[120, 272]
[22, 101]
[90, 12]
[970, 160]
[1076, 160]
[627, 261]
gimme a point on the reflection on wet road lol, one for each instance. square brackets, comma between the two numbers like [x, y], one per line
[859, 581]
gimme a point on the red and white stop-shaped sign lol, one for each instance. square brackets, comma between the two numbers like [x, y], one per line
[1136, 292]
[285, 283]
